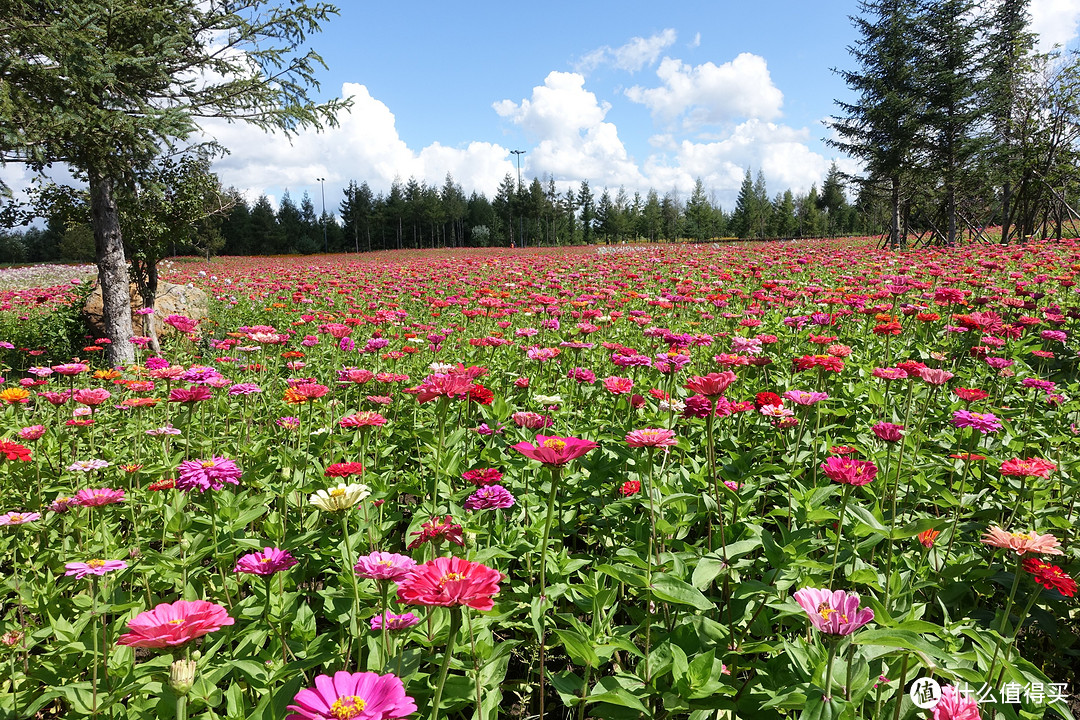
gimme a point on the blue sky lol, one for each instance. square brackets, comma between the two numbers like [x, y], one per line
[630, 94]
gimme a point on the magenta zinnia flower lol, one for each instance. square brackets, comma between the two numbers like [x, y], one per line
[93, 567]
[555, 451]
[98, 496]
[394, 622]
[490, 497]
[353, 696]
[384, 566]
[267, 562]
[207, 474]
[450, 581]
[169, 625]
[954, 705]
[983, 422]
[833, 612]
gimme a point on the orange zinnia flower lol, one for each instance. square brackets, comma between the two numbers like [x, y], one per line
[14, 396]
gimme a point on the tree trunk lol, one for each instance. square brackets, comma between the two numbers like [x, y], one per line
[112, 270]
[894, 229]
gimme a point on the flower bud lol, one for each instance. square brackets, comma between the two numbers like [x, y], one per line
[182, 676]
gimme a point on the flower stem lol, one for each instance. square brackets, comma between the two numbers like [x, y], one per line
[839, 533]
[356, 590]
[455, 628]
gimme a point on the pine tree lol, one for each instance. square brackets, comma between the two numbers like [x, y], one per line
[948, 68]
[880, 126]
[745, 214]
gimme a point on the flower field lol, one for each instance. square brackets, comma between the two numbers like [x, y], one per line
[740, 481]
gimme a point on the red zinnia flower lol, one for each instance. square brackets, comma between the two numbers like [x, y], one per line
[435, 531]
[970, 394]
[450, 581]
[346, 469]
[1051, 576]
[14, 451]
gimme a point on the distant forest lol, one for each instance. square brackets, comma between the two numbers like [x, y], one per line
[414, 215]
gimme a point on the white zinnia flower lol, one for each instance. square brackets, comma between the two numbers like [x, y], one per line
[341, 497]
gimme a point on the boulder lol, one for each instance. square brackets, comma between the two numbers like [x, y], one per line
[172, 299]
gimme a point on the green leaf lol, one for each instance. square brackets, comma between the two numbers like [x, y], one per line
[673, 590]
[578, 648]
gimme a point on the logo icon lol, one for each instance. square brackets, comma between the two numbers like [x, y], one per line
[925, 693]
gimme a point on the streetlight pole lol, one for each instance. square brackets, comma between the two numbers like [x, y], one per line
[322, 185]
[519, 153]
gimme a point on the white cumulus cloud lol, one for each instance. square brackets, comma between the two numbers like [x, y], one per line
[711, 94]
[365, 147]
[574, 141]
[637, 53]
[1055, 21]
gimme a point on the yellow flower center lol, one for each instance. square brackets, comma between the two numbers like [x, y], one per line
[554, 444]
[208, 463]
[95, 563]
[345, 708]
[450, 577]
[264, 560]
[178, 621]
[387, 563]
[337, 492]
[825, 611]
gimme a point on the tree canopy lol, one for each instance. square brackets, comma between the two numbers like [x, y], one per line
[108, 87]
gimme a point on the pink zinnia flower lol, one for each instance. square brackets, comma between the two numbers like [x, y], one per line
[384, 566]
[33, 432]
[366, 418]
[848, 471]
[954, 705]
[394, 622]
[267, 562]
[490, 497]
[98, 497]
[889, 432]
[207, 474]
[244, 389]
[450, 581]
[555, 451]
[70, 368]
[651, 438]
[15, 518]
[353, 696]
[92, 396]
[1022, 543]
[833, 612]
[93, 567]
[189, 396]
[1032, 467]
[711, 385]
[169, 625]
[805, 397]
[935, 377]
[618, 385]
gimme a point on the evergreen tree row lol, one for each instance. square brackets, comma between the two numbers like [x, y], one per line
[959, 122]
